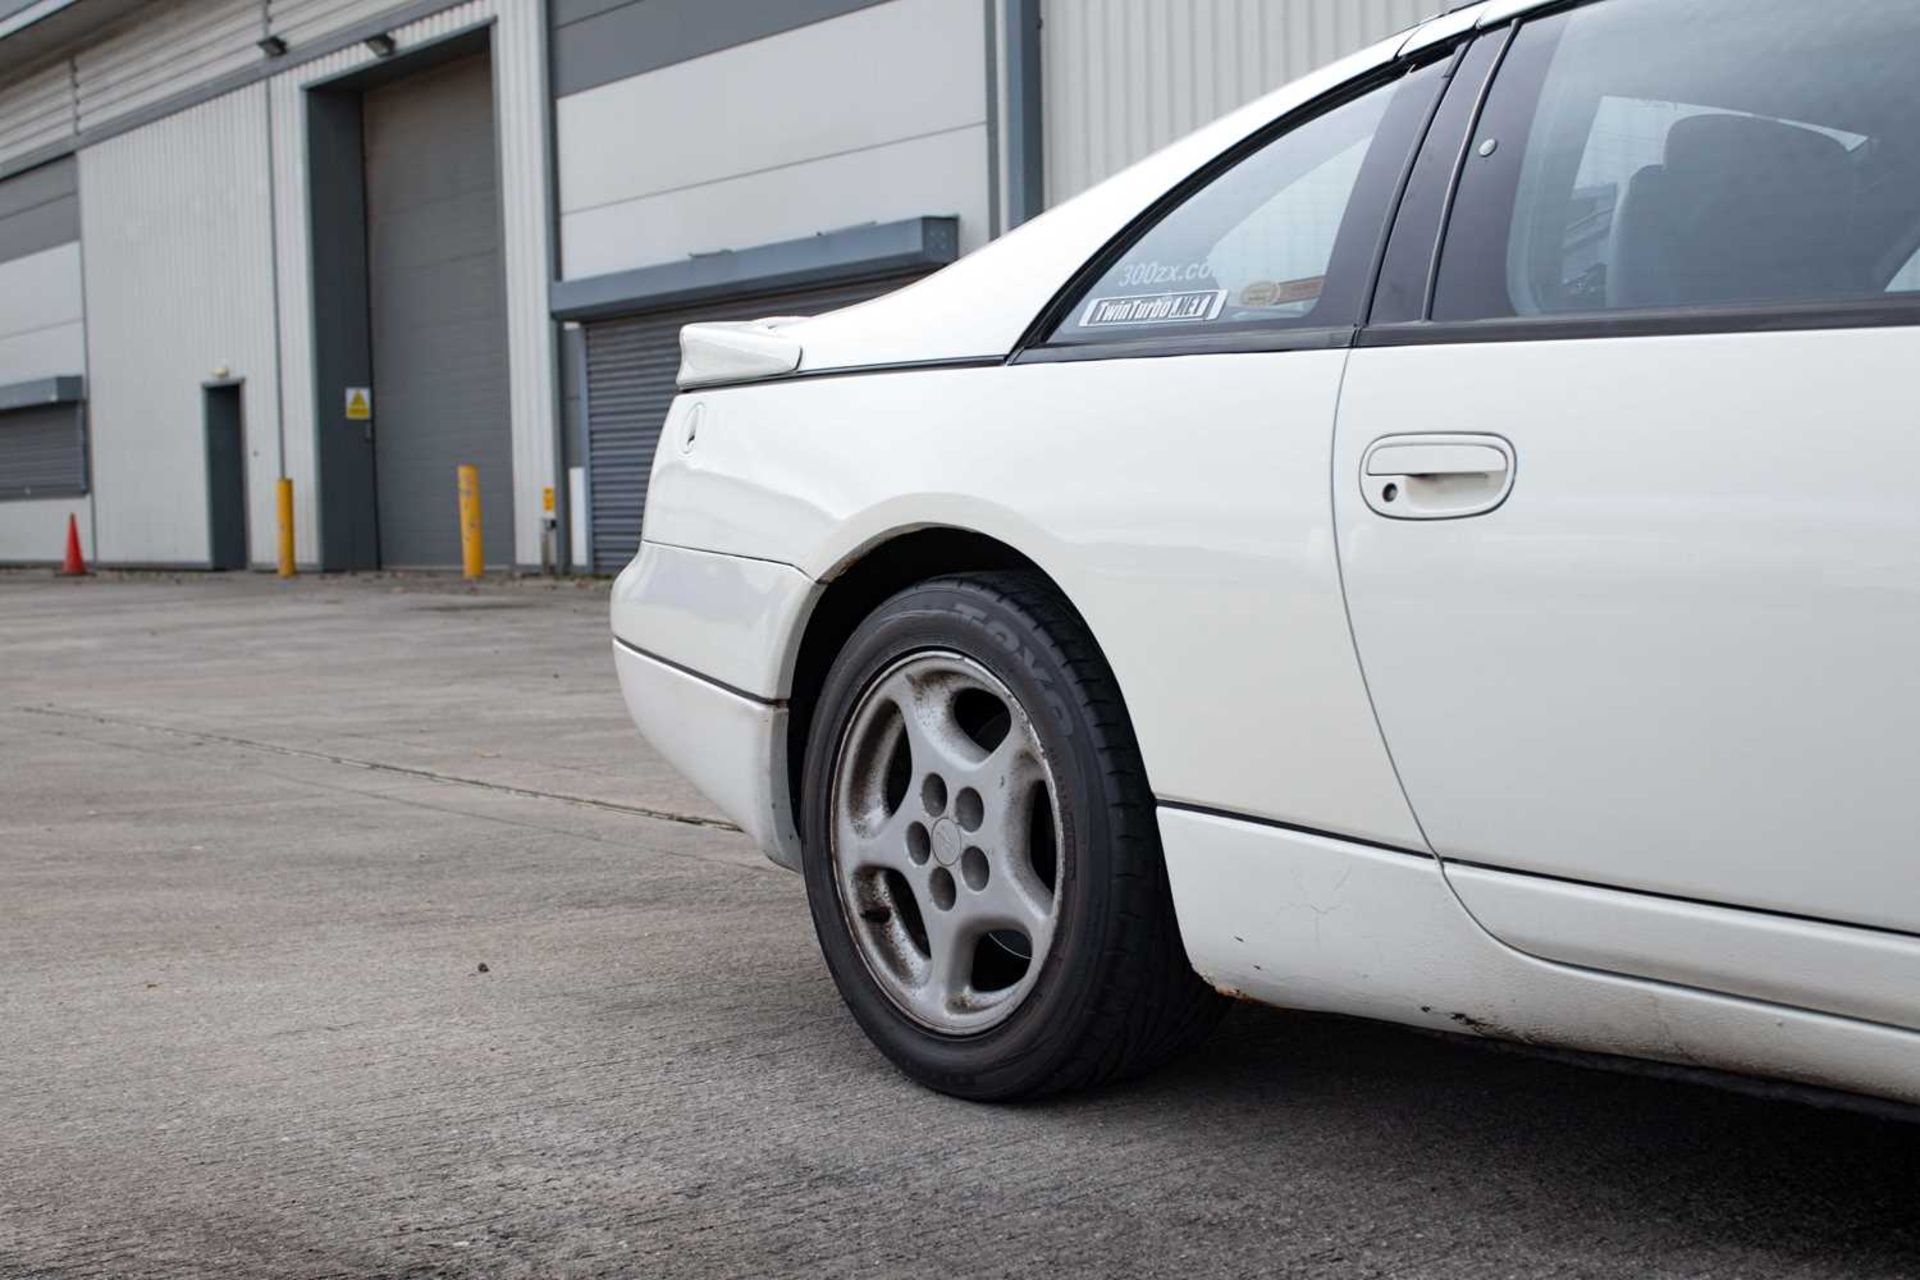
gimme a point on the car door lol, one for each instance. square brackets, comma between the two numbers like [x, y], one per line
[1625, 502]
[1192, 371]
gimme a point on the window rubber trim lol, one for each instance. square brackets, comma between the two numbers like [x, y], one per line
[1869, 313]
[1241, 342]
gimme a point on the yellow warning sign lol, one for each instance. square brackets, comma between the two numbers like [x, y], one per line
[546, 499]
[359, 404]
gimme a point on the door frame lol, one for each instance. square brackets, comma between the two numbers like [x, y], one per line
[218, 391]
[346, 478]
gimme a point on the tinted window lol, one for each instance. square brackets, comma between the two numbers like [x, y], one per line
[1650, 154]
[1282, 239]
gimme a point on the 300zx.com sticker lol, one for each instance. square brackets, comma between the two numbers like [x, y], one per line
[1155, 308]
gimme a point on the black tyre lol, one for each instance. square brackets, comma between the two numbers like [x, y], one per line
[982, 858]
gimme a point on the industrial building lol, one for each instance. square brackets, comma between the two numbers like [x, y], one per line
[358, 243]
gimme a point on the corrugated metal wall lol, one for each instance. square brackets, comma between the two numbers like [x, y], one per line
[520, 89]
[299, 21]
[174, 45]
[36, 110]
[179, 259]
[1123, 78]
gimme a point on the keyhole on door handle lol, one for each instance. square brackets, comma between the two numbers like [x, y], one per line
[1436, 477]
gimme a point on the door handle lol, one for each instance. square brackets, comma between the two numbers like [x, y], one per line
[1437, 477]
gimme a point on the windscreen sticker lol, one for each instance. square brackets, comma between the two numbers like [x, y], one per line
[1155, 308]
[1271, 293]
[1145, 275]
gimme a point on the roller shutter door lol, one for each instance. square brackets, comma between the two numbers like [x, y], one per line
[43, 451]
[631, 364]
[437, 306]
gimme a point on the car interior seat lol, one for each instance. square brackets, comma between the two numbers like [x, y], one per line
[1741, 210]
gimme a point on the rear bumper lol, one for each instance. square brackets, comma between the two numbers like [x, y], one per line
[732, 747]
[704, 646]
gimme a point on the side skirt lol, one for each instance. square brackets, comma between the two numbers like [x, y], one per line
[1310, 922]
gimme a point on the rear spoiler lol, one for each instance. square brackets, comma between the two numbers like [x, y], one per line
[736, 351]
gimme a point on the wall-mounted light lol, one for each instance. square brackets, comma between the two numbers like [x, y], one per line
[382, 45]
[272, 46]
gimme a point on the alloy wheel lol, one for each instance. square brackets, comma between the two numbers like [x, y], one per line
[946, 842]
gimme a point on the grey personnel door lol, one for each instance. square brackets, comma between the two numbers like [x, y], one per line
[437, 303]
[631, 365]
[226, 478]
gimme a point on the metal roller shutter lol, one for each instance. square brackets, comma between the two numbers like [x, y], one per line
[631, 364]
[437, 308]
[43, 451]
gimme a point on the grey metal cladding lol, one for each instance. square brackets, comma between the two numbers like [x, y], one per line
[342, 356]
[67, 388]
[875, 249]
[43, 451]
[596, 42]
[572, 360]
[39, 209]
[1026, 126]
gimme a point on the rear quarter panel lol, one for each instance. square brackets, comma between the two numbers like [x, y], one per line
[1182, 504]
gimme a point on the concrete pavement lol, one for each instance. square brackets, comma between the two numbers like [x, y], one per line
[347, 930]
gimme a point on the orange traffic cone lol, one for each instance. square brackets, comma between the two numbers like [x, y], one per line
[76, 564]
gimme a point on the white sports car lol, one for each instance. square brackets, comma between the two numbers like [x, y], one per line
[1437, 545]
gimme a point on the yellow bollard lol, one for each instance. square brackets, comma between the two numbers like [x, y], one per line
[285, 496]
[470, 549]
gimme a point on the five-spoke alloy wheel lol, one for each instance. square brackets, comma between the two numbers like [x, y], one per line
[980, 849]
[946, 843]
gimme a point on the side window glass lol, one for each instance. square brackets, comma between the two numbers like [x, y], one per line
[1265, 244]
[1639, 155]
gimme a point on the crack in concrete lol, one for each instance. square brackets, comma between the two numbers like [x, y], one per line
[379, 766]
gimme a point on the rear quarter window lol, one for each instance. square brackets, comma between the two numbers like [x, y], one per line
[1279, 240]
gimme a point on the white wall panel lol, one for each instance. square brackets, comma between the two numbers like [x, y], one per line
[174, 45]
[178, 283]
[40, 312]
[520, 98]
[519, 62]
[36, 110]
[648, 159]
[939, 175]
[46, 352]
[34, 530]
[1123, 78]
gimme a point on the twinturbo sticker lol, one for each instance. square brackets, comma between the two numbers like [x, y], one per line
[1155, 308]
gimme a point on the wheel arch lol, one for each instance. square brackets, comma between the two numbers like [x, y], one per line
[858, 585]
